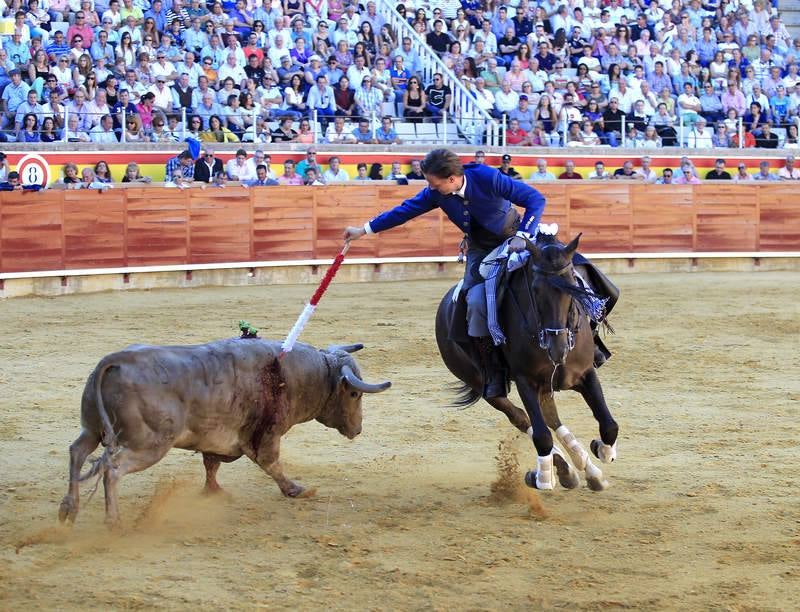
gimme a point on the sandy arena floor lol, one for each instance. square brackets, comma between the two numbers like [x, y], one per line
[703, 512]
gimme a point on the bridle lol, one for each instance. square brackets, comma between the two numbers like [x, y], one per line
[547, 333]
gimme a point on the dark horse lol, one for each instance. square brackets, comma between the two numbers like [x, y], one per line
[545, 316]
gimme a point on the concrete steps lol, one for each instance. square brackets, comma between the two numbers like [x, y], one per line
[789, 11]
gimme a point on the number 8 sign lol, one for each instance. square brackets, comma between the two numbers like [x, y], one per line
[34, 170]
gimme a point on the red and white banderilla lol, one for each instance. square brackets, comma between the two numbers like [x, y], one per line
[289, 343]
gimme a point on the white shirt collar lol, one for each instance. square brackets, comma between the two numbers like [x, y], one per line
[463, 191]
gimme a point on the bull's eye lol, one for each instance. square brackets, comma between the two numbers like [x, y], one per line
[354, 394]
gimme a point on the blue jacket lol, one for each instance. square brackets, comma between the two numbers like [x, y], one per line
[489, 196]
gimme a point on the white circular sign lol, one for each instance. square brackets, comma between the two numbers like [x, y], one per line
[34, 170]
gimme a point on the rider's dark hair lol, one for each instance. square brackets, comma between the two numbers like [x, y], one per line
[442, 163]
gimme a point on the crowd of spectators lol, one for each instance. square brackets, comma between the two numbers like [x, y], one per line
[687, 172]
[183, 171]
[108, 71]
[643, 74]
[583, 72]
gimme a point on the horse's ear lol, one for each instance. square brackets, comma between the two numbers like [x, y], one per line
[573, 246]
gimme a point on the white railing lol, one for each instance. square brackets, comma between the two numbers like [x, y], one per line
[464, 109]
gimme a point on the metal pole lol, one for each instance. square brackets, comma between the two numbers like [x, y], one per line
[374, 129]
[66, 121]
[680, 141]
[624, 133]
[741, 133]
[183, 123]
[444, 127]
[505, 130]
[316, 125]
[123, 137]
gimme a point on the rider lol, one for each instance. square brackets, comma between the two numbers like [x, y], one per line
[477, 198]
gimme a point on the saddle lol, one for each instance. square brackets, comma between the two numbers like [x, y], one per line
[588, 274]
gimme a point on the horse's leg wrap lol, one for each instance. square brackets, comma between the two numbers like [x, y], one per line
[544, 472]
[544, 468]
[570, 443]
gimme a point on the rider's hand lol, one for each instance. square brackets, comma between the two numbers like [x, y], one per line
[353, 233]
[517, 244]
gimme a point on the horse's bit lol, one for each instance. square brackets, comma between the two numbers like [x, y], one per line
[550, 331]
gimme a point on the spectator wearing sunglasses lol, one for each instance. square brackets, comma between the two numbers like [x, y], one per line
[81, 29]
[686, 177]
[207, 166]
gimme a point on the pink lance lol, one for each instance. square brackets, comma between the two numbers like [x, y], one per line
[289, 343]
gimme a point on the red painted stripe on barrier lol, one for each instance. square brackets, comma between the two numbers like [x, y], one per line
[354, 156]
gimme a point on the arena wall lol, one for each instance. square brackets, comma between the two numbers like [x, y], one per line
[63, 241]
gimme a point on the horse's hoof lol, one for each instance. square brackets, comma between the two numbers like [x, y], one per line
[604, 452]
[596, 484]
[567, 477]
[530, 480]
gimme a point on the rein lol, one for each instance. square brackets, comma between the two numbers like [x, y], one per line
[545, 332]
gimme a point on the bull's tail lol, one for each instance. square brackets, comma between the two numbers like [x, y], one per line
[108, 436]
[466, 396]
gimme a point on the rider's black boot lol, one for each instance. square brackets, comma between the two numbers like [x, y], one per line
[494, 372]
[601, 353]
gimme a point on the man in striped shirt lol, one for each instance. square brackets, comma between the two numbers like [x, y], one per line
[182, 161]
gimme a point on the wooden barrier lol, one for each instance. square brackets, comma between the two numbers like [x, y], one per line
[150, 226]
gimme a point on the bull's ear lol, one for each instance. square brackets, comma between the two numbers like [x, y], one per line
[347, 348]
[573, 246]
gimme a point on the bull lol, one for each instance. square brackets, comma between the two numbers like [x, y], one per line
[224, 399]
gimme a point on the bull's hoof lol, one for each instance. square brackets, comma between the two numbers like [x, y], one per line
[68, 510]
[294, 490]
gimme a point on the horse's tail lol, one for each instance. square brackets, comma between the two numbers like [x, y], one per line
[466, 396]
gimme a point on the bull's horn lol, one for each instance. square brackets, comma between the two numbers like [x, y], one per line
[355, 382]
[347, 348]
